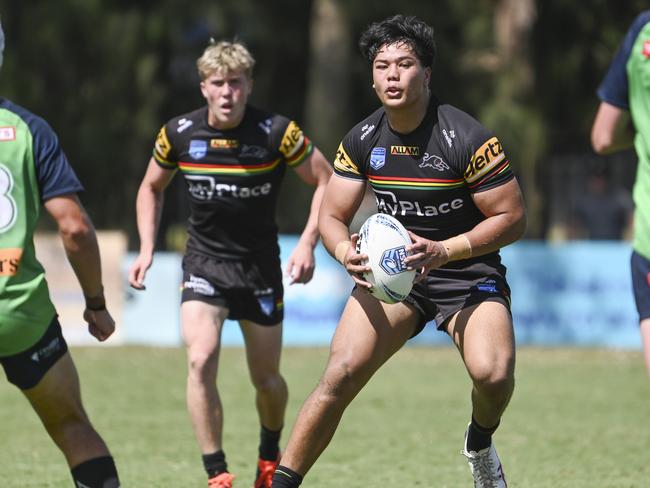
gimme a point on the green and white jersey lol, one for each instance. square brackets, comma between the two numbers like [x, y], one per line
[627, 86]
[33, 169]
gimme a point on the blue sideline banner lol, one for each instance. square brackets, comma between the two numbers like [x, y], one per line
[569, 294]
[578, 293]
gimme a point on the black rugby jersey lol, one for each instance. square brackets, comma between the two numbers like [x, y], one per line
[233, 177]
[425, 178]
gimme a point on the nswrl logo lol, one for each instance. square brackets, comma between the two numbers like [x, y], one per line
[392, 261]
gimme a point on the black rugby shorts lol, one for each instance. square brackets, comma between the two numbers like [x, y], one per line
[27, 368]
[641, 284]
[456, 286]
[251, 289]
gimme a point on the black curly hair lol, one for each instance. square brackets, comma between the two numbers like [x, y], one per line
[400, 28]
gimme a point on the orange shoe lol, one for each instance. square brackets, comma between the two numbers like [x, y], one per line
[265, 470]
[222, 480]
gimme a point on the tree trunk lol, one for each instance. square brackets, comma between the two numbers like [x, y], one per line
[328, 78]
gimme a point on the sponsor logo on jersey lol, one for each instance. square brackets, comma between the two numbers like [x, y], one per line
[392, 260]
[200, 286]
[162, 146]
[433, 161]
[10, 261]
[377, 157]
[343, 163]
[183, 124]
[266, 125]
[646, 49]
[198, 149]
[224, 143]
[7, 134]
[367, 129]
[405, 150]
[388, 203]
[489, 155]
[206, 188]
[292, 140]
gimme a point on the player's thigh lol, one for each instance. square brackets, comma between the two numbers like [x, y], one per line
[263, 347]
[368, 334]
[201, 325]
[484, 336]
[57, 396]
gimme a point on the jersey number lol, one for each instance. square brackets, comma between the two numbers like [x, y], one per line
[7, 203]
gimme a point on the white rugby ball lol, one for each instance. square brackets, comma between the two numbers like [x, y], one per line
[383, 239]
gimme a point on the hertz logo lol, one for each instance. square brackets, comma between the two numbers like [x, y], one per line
[405, 150]
[224, 143]
[292, 140]
[489, 155]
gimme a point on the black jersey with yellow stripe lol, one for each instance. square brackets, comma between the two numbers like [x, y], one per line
[426, 178]
[233, 177]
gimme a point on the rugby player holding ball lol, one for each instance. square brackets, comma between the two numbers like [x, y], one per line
[448, 180]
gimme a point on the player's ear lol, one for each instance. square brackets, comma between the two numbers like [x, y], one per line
[427, 76]
[250, 85]
[203, 90]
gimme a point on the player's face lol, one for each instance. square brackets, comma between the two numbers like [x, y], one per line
[226, 94]
[400, 80]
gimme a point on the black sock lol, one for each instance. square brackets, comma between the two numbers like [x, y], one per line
[215, 463]
[269, 444]
[286, 478]
[479, 437]
[96, 473]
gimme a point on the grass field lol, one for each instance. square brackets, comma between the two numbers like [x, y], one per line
[579, 418]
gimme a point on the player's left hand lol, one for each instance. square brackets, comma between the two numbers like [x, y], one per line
[424, 255]
[301, 264]
[100, 323]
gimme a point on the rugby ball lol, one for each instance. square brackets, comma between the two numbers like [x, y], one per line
[384, 239]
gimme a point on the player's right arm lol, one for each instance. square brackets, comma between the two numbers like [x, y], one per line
[341, 201]
[80, 244]
[612, 129]
[149, 204]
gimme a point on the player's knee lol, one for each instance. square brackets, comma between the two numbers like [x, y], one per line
[68, 427]
[269, 383]
[495, 384]
[339, 382]
[202, 366]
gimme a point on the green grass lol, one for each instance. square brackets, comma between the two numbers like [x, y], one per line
[579, 418]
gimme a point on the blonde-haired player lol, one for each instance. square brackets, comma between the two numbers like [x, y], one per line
[233, 157]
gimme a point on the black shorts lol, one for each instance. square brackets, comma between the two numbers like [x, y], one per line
[641, 284]
[27, 368]
[456, 286]
[251, 289]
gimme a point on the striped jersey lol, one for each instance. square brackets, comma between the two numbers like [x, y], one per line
[627, 86]
[33, 169]
[233, 177]
[426, 178]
